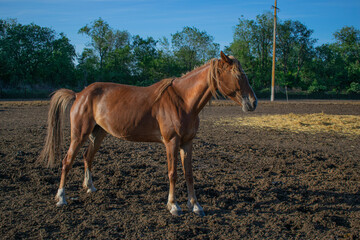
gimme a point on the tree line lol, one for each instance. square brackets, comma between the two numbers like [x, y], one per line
[37, 57]
[331, 67]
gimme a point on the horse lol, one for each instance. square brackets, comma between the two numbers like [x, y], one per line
[165, 112]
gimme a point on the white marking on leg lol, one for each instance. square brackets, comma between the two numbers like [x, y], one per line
[196, 208]
[174, 209]
[88, 182]
[92, 138]
[60, 197]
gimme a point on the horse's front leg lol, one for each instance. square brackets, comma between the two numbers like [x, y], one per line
[172, 149]
[186, 158]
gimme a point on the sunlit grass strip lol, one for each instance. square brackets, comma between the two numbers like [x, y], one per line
[266, 102]
[313, 123]
[24, 103]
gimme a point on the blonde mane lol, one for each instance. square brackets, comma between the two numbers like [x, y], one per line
[163, 85]
[215, 69]
[214, 73]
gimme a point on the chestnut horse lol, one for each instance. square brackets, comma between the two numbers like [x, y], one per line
[165, 112]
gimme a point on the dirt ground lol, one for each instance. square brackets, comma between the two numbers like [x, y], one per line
[252, 183]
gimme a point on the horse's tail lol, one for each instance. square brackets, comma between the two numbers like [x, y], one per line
[59, 102]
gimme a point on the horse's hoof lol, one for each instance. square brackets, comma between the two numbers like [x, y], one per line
[197, 209]
[200, 213]
[61, 203]
[60, 197]
[176, 213]
[174, 209]
[91, 189]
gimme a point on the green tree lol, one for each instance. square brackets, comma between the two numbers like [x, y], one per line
[285, 52]
[303, 46]
[108, 58]
[252, 46]
[31, 55]
[60, 68]
[104, 39]
[348, 46]
[87, 68]
[324, 71]
[193, 47]
[144, 54]
[118, 65]
[242, 47]
[295, 48]
[167, 63]
[153, 63]
[335, 67]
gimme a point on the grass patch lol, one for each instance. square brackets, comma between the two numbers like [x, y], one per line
[311, 123]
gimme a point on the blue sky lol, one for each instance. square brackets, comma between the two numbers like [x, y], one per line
[163, 18]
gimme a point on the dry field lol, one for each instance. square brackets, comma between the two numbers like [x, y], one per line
[286, 171]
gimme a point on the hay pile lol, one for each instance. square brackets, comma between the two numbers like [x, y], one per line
[312, 123]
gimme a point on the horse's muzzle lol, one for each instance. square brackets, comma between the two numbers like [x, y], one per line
[249, 103]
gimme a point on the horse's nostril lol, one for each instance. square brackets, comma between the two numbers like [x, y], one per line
[255, 103]
[251, 103]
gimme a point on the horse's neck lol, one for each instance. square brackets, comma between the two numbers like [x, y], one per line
[194, 89]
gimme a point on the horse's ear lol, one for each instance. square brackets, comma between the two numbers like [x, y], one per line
[225, 58]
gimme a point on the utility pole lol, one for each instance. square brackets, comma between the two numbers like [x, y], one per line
[273, 60]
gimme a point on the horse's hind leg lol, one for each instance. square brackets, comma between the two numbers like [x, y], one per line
[77, 139]
[67, 163]
[96, 137]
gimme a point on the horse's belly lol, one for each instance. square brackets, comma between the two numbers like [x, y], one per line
[142, 138]
[133, 124]
[140, 134]
[137, 133]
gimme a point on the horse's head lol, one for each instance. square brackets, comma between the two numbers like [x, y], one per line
[233, 83]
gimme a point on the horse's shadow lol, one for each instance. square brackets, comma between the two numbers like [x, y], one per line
[300, 200]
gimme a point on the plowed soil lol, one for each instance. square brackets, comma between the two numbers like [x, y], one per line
[253, 183]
